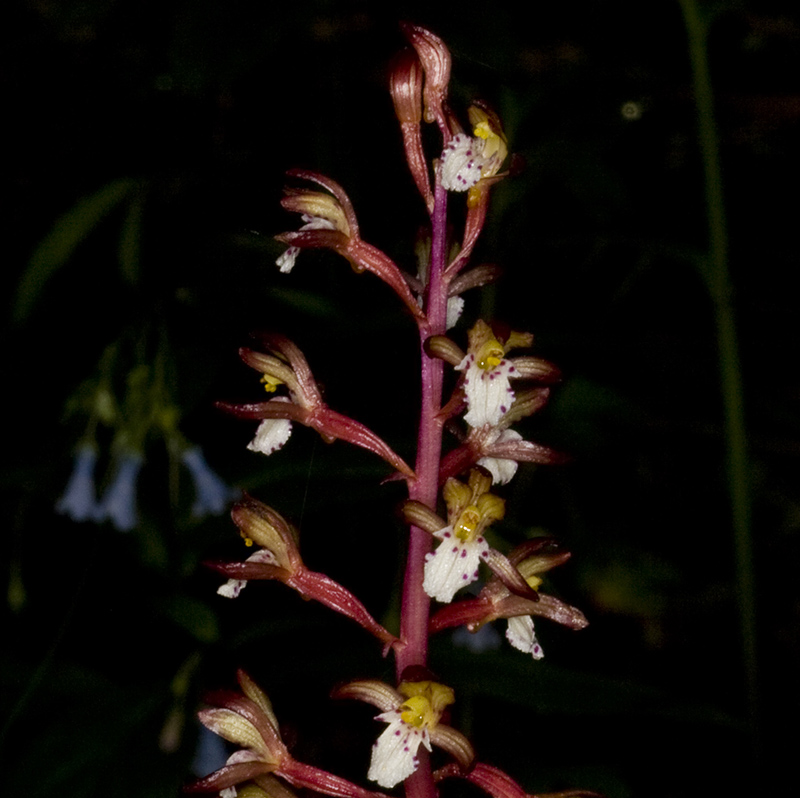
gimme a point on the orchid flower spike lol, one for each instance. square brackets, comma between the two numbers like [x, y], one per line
[413, 712]
[247, 720]
[285, 365]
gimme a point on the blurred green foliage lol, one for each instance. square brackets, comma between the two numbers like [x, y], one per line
[149, 142]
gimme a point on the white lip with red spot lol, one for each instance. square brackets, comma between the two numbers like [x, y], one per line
[394, 754]
[453, 565]
[488, 391]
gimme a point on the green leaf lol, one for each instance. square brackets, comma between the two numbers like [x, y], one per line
[59, 244]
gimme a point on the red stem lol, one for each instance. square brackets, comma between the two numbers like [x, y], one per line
[416, 603]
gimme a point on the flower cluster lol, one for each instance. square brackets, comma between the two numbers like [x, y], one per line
[145, 410]
[492, 390]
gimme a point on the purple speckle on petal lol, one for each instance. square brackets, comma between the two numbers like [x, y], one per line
[446, 535]
[455, 549]
[502, 408]
[463, 552]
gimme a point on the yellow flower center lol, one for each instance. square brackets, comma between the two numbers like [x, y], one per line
[425, 702]
[270, 383]
[490, 355]
[534, 582]
[467, 523]
[248, 541]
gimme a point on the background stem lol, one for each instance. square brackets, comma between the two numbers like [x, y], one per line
[720, 287]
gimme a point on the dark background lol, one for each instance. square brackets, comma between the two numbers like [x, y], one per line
[110, 639]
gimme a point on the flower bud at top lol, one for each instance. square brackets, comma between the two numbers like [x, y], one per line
[436, 61]
[405, 85]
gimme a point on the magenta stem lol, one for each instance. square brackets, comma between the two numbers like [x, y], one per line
[416, 604]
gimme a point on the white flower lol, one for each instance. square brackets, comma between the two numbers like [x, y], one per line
[488, 390]
[272, 433]
[453, 565]
[394, 754]
[455, 307]
[286, 261]
[502, 470]
[462, 163]
[521, 635]
[233, 587]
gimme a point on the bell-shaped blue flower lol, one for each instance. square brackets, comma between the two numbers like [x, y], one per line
[212, 495]
[78, 500]
[118, 504]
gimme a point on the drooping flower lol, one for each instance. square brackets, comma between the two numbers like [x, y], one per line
[247, 719]
[287, 260]
[501, 598]
[413, 713]
[278, 558]
[284, 364]
[79, 501]
[212, 495]
[118, 504]
[330, 223]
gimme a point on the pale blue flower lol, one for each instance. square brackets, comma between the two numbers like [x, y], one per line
[210, 753]
[118, 504]
[78, 500]
[487, 638]
[212, 495]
